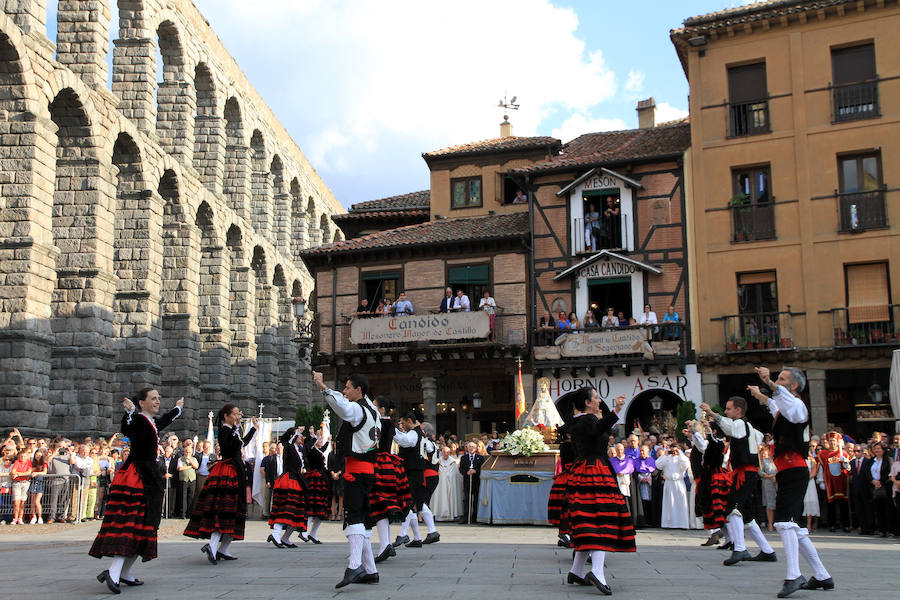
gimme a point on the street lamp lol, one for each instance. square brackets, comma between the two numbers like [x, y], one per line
[656, 403]
[875, 393]
[304, 328]
[476, 400]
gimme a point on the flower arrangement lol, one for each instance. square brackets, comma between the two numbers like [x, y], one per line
[523, 442]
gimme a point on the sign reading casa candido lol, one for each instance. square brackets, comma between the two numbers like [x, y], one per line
[420, 328]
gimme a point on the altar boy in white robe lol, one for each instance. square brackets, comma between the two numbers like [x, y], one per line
[674, 464]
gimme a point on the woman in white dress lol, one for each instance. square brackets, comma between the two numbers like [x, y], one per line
[447, 500]
[674, 464]
[811, 499]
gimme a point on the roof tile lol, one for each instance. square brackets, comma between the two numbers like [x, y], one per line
[411, 201]
[495, 145]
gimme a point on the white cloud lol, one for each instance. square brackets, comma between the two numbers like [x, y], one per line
[578, 124]
[635, 81]
[667, 112]
[430, 73]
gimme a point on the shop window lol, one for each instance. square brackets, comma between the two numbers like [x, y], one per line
[748, 104]
[465, 192]
[473, 280]
[855, 87]
[380, 285]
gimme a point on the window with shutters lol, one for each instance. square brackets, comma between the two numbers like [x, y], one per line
[862, 194]
[854, 92]
[748, 100]
[868, 293]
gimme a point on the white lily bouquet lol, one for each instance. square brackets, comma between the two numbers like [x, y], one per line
[523, 442]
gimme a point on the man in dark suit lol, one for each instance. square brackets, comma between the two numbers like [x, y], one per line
[447, 301]
[860, 498]
[470, 469]
[168, 466]
[273, 468]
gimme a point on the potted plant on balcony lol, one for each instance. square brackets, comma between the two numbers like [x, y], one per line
[732, 344]
[745, 342]
[877, 336]
[740, 203]
[786, 343]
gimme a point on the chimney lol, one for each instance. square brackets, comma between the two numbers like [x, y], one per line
[646, 110]
[505, 127]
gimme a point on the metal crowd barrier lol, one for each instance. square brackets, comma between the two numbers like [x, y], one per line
[63, 499]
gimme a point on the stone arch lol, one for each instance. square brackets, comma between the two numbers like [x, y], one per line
[209, 136]
[260, 185]
[298, 220]
[236, 179]
[315, 229]
[174, 95]
[282, 214]
[286, 354]
[325, 227]
[242, 322]
[80, 377]
[338, 235]
[640, 410]
[266, 330]
[296, 289]
[213, 313]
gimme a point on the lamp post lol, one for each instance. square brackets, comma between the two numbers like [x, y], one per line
[304, 327]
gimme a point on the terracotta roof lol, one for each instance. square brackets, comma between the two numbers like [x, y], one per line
[494, 145]
[610, 147]
[411, 201]
[441, 231]
[381, 214]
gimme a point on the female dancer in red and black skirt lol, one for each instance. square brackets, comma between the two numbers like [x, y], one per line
[134, 507]
[318, 497]
[714, 480]
[556, 514]
[220, 512]
[289, 495]
[391, 498]
[598, 515]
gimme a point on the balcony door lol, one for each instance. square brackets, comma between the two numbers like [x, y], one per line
[381, 285]
[612, 293]
[758, 307]
[748, 104]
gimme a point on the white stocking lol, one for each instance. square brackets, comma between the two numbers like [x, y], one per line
[405, 526]
[277, 532]
[384, 534]
[735, 526]
[368, 558]
[214, 538]
[578, 562]
[357, 542]
[598, 558]
[757, 536]
[126, 568]
[812, 557]
[788, 533]
[428, 518]
[115, 569]
[313, 526]
[226, 542]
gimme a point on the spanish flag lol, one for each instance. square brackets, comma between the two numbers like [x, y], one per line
[520, 396]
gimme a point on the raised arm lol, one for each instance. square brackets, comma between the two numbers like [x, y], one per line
[735, 428]
[406, 439]
[166, 420]
[254, 422]
[346, 410]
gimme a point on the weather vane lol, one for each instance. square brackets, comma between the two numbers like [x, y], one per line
[508, 105]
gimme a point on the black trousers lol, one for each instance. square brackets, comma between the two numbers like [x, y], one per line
[470, 496]
[357, 487]
[187, 498]
[838, 513]
[743, 497]
[789, 492]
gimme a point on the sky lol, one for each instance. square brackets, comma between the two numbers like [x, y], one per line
[366, 86]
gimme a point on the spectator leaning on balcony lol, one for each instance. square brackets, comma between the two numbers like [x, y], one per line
[610, 320]
[589, 322]
[573, 321]
[363, 310]
[488, 305]
[382, 310]
[403, 306]
[461, 302]
[446, 301]
[561, 321]
[670, 324]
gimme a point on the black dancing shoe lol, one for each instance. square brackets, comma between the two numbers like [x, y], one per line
[573, 578]
[274, 541]
[713, 539]
[368, 578]
[792, 585]
[386, 554]
[414, 544]
[288, 545]
[304, 537]
[134, 582]
[432, 538]
[726, 546]
[763, 557]
[314, 540]
[401, 539]
[209, 555]
[351, 576]
[816, 584]
[112, 585]
[220, 556]
[592, 579]
[736, 557]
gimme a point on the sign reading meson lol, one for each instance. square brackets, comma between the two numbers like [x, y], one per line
[605, 343]
[414, 328]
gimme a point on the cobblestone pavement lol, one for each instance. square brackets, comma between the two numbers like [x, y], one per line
[475, 562]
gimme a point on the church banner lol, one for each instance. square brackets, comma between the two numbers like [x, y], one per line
[420, 328]
[605, 343]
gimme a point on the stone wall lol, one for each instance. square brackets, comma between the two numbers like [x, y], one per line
[149, 235]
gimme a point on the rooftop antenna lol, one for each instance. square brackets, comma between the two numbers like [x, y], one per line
[508, 106]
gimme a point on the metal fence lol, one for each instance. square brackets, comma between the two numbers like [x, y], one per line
[748, 118]
[62, 498]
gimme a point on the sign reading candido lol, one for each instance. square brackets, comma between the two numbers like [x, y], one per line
[415, 328]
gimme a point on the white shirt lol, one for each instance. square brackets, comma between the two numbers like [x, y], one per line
[346, 410]
[203, 469]
[279, 465]
[408, 439]
[648, 318]
[487, 305]
[699, 442]
[461, 303]
[876, 469]
[791, 407]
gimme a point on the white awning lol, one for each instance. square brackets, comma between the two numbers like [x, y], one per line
[610, 255]
[609, 172]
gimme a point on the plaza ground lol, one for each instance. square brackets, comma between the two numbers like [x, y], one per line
[472, 562]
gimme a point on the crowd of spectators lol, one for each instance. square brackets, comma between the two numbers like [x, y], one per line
[667, 329]
[458, 302]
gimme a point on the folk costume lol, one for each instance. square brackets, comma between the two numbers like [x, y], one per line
[835, 466]
[417, 452]
[220, 513]
[289, 495]
[391, 499]
[556, 505]
[791, 432]
[598, 514]
[713, 485]
[743, 443]
[357, 442]
[134, 504]
[318, 496]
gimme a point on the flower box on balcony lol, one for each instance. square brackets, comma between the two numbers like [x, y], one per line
[786, 343]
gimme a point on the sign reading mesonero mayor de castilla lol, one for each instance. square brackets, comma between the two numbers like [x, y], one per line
[415, 328]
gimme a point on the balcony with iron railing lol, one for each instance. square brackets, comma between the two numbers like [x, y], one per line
[748, 118]
[608, 235]
[752, 222]
[866, 325]
[758, 332]
[665, 342]
[853, 101]
[862, 211]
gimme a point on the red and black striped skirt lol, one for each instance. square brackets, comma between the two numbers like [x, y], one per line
[390, 497]
[556, 505]
[288, 503]
[126, 529]
[719, 488]
[597, 512]
[318, 498]
[221, 505]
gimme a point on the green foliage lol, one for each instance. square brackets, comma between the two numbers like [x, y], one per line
[687, 411]
[309, 416]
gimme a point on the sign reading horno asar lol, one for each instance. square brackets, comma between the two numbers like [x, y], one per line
[420, 328]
